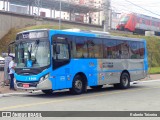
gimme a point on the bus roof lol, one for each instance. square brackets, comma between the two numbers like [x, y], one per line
[89, 33]
[98, 34]
[34, 30]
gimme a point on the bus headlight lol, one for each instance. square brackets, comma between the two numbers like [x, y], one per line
[44, 78]
[41, 79]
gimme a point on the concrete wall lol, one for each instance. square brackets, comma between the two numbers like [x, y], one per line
[10, 20]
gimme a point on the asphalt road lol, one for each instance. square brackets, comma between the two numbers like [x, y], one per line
[140, 97]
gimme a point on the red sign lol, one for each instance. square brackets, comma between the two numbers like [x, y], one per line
[26, 85]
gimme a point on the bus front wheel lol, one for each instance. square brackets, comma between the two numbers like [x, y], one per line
[78, 85]
[47, 91]
[124, 81]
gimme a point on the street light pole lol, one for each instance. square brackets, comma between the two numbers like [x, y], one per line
[106, 15]
[60, 8]
[38, 5]
[4, 5]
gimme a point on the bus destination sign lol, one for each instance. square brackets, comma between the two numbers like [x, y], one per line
[32, 35]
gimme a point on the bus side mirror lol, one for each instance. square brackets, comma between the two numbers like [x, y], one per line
[57, 49]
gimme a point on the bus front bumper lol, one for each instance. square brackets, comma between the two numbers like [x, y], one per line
[44, 85]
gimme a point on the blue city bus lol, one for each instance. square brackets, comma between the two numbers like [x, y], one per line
[50, 60]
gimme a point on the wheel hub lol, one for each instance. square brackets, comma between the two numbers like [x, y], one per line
[125, 81]
[78, 84]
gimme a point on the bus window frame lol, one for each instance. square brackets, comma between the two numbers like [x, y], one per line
[57, 63]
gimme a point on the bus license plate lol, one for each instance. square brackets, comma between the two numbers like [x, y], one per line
[26, 85]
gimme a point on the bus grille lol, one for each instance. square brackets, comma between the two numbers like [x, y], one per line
[33, 84]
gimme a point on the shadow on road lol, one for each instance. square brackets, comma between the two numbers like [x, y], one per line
[66, 93]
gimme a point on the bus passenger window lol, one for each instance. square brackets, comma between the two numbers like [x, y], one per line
[91, 48]
[110, 49]
[124, 50]
[81, 48]
[134, 50]
[95, 48]
[141, 50]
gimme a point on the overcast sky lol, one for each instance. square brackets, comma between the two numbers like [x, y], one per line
[125, 6]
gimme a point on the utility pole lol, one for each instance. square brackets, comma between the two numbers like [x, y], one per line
[110, 19]
[4, 5]
[60, 10]
[106, 15]
[38, 5]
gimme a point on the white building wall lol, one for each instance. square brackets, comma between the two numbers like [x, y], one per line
[96, 17]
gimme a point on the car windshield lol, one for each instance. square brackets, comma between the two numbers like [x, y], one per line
[32, 54]
[124, 20]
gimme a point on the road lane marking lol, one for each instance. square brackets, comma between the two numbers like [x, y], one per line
[77, 98]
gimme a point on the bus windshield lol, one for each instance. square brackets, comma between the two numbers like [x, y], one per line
[32, 54]
[124, 20]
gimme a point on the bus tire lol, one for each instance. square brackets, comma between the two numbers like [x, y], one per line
[124, 81]
[78, 86]
[47, 91]
[96, 87]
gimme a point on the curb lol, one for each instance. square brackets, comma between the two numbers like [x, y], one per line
[12, 94]
[18, 93]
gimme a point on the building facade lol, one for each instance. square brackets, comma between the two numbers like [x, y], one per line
[91, 17]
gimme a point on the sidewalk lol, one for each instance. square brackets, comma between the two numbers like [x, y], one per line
[5, 89]
[152, 77]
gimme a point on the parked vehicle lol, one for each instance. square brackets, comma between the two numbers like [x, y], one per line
[139, 23]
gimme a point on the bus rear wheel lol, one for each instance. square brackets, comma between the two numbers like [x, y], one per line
[124, 81]
[78, 86]
[96, 87]
[47, 91]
